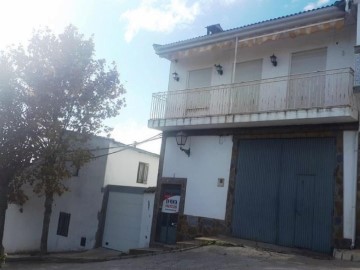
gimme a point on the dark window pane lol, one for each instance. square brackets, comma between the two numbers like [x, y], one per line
[63, 224]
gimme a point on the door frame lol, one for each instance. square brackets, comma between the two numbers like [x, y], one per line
[157, 205]
[306, 131]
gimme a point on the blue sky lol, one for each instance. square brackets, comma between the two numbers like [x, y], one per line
[124, 32]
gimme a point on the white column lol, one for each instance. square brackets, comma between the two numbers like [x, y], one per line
[350, 183]
[357, 48]
[356, 2]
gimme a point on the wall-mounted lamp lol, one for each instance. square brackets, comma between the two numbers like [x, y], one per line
[219, 69]
[181, 138]
[176, 76]
[273, 60]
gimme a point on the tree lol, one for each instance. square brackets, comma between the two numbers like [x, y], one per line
[72, 93]
[17, 132]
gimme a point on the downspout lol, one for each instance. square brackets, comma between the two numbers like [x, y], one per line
[235, 57]
[233, 73]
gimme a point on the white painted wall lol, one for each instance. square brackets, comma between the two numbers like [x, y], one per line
[122, 167]
[23, 230]
[350, 183]
[83, 202]
[209, 160]
[340, 54]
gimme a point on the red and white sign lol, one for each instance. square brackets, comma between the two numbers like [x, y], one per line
[171, 204]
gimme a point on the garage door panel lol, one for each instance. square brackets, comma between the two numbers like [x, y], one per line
[123, 221]
[324, 198]
[256, 186]
[294, 152]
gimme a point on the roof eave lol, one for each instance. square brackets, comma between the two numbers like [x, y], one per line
[320, 15]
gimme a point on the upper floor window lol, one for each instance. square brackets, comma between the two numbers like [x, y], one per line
[308, 61]
[199, 78]
[248, 71]
[142, 174]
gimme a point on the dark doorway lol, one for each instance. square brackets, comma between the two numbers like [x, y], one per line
[167, 220]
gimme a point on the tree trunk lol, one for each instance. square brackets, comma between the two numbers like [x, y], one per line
[4, 187]
[49, 198]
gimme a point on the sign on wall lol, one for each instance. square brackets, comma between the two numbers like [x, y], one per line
[171, 204]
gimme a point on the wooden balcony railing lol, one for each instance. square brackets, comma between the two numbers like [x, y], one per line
[322, 89]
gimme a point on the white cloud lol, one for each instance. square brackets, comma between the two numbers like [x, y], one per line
[159, 16]
[132, 131]
[317, 4]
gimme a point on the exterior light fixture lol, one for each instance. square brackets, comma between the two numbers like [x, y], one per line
[273, 60]
[219, 69]
[176, 76]
[181, 138]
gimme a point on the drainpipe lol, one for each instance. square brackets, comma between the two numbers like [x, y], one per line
[233, 74]
[347, 5]
[350, 143]
[235, 58]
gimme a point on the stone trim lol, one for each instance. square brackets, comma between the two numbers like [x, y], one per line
[190, 227]
[338, 213]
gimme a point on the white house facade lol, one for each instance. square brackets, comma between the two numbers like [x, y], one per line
[269, 118]
[79, 217]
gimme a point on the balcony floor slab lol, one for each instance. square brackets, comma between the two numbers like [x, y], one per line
[293, 117]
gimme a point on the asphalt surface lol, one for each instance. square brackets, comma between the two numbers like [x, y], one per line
[207, 257]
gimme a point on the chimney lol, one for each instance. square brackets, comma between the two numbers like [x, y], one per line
[213, 29]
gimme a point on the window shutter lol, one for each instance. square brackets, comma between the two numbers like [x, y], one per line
[146, 169]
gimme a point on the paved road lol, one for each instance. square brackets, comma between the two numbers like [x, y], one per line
[209, 257]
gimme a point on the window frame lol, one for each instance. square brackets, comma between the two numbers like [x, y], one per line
[143, 173]
[63, 224]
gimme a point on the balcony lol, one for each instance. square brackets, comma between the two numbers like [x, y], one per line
[311, 98]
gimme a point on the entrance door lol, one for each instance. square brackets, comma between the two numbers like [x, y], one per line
[168, 219]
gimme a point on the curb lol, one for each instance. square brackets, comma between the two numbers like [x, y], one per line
[346, 255]
[56, 259]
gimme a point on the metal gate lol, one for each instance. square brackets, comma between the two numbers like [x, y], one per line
[284, 192]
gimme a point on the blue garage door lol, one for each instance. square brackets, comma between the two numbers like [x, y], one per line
[284, 192]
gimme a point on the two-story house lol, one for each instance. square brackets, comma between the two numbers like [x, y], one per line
[260, 132]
